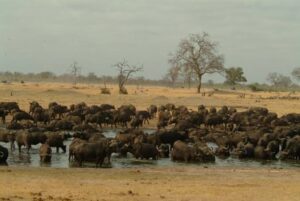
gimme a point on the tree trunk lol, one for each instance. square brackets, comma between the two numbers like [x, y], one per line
[199, 84]
[189, 82]
[120, 86]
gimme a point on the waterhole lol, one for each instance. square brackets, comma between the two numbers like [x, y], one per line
[60, 160]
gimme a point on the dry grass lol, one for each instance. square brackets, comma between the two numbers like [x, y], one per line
[142, 97]
[182, 184]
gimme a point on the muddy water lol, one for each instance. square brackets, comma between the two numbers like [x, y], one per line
[60, 160]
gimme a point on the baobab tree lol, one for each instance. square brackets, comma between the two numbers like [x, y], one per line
[125, 71]
[198, 53]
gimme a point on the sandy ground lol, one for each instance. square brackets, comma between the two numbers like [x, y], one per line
[182, 184]
[143, 96]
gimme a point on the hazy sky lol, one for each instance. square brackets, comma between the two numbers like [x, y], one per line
[261, 36]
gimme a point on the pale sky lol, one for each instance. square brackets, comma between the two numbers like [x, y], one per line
[261, 36]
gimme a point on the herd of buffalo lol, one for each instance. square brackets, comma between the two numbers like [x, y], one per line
[182, 134]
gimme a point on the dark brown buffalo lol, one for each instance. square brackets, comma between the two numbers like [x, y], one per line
[124, 138]
[171, 136]
[3, 154]
[40, 115]
[204, 153]
[75, 119]
[164, 151]
[84, 127]
[222, 152]
[291, 149]
[153, 139]
[136, 122]
[10, 106]
[213, 119]
[63, 124]
[45, 153]
[152, 109]
[33, 105]
[144, 115]
[14, 126]
[3, 114]
[21, 115]
[261, 153]
[27, 139]
[95, 137]
[57, 111]
[163, 119]
[105, 107]
[122, 117]
[7, 136]
[55, 140]
[244, 150]
[183, 152]
[75, 142]
[91, 152]
[145, 151]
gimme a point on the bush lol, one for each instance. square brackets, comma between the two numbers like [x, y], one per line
[123, 90]
[255, 87]
[105, 91]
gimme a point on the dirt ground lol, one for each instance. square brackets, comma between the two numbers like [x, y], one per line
[143, 96]
[182, 184]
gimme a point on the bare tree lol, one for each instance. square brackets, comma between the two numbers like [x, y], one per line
[187, 74]
[279, 80]
[173, 75]
[75, 71]
[199, 54]
[296, 73]
[125, 71]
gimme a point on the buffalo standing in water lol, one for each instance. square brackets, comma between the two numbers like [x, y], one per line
[45, 153]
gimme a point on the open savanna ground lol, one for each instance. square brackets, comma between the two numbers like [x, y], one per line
[182, 184]
[143, 96]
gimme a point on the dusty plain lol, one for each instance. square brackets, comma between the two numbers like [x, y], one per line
[183, 184]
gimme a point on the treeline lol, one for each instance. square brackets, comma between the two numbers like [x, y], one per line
[69, 78]
[92, 78]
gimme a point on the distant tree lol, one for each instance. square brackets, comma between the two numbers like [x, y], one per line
[75, 71]
[124, 72]
[140, 80]
[210, 82]
[46, 75]
[296, 74]
[18, 76]
[172, 75]
[234, 76]
[92, 77]
[279, 80]
[198, 53]
[255, 87]
[8, 75]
